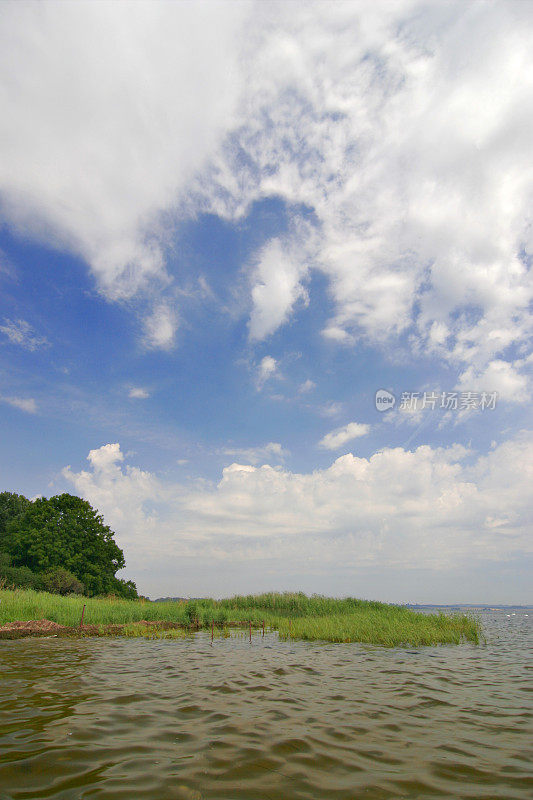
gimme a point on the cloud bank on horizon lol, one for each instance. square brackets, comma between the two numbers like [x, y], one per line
[392, 142]
[358, 512]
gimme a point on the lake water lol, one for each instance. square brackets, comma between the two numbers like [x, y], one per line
[270, 720]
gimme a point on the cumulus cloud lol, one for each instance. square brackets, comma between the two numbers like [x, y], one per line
[340, 436]
[105, 457]
[21, 332]
[431, 507]
[27, 404]
[123, 495]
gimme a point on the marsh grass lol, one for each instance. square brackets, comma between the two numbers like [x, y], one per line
[397, 627]
[294, 615]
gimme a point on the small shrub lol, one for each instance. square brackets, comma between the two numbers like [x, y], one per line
[192, 612]
[221, 616]
[20, 577]
[61, 581]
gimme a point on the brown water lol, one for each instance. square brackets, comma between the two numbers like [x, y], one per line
[274, 720]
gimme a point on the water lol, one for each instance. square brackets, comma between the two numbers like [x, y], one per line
[184, 720]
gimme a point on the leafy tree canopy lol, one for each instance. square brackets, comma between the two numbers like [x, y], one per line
[63, 532]
[11, 505]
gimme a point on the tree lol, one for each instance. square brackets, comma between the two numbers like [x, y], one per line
[11, 506]
[65, 531]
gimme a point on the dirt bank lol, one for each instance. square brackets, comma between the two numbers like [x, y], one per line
[45, 627]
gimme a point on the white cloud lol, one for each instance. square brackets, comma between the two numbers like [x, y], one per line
[268, 368]
[256, 455]
[340, 436]
[27, 404]
[104, 125]
[21, 332]
[138, 393]
[160, 328]
[120, 494]
[401, 129]
[337, 334]
[331, 409]
[277, 287]
[306, 386]
[432, 507]
[7, 268]
[105, 457]
[498, 376]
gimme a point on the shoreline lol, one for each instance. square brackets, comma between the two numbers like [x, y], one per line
[292, 615]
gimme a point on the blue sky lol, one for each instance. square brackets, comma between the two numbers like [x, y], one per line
[223, 228]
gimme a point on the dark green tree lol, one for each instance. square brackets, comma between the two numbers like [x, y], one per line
[21, 577]
[11, 506]
[65, 531]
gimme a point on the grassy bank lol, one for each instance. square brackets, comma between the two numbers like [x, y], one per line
[294, 615]
[392, 629]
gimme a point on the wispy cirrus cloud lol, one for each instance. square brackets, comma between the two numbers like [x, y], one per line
[27, 404]
[21, 333]
[272, 451]
[307, 386]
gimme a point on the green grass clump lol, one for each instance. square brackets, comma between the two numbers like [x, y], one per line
[394, 628]
[294, 615]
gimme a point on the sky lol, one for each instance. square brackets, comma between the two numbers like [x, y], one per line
[265, 289]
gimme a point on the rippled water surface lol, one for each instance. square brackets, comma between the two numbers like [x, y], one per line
[121, 718]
